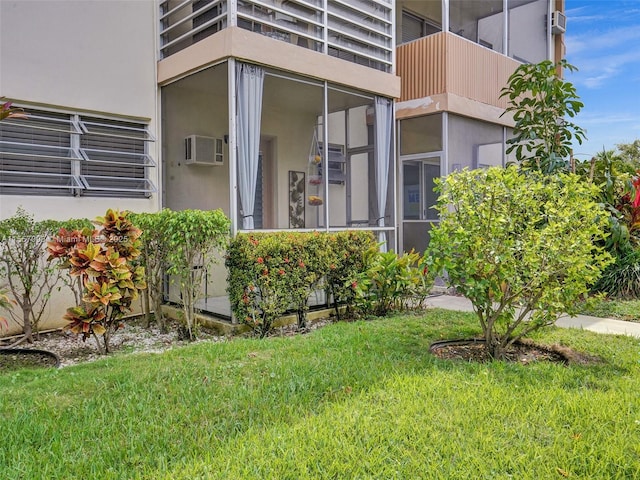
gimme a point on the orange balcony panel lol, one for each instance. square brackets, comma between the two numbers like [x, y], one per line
[446, 63]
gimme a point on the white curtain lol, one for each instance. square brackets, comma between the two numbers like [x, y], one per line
[249, 95]
[384, 123]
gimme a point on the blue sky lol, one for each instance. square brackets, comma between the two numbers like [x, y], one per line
[603, 41]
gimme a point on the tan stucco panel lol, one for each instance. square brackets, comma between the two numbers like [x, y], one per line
[448, 102]
[255, 48]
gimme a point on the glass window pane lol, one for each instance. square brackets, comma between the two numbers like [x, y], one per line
[421, 134]
[430, 173]
[411, 191]
[481, 22]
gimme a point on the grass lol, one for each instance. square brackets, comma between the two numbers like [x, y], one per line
[352, 400]
[611, 308]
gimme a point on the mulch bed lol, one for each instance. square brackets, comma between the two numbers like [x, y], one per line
[18, 358]
[523, 352]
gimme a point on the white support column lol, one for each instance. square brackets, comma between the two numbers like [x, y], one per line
[505, 27]
[325, 151]
[325, 25]
[232, 13]
[233, 155]
[504, 146]
[394, 169]
[398, 185]
[444, 166]
[394, 27]
[445, 15]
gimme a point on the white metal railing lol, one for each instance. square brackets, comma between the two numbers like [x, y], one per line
[184, 22]
[360, 31]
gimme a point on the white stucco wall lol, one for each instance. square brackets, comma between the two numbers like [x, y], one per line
[91, 55]
[80, 56]
[527, 34]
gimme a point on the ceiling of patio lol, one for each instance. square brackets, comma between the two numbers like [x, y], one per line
[281, 89]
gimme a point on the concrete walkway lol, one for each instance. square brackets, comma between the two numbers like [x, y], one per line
[585, 322]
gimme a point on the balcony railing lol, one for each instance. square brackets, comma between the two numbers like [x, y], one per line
[359, 31]
[446, 63]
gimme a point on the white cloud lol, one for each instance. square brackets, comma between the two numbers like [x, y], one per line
[596, 69]
[602, 39]
[585, 18]
[605, 119]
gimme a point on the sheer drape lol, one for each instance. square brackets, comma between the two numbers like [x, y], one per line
[384, 123]
[249, 97]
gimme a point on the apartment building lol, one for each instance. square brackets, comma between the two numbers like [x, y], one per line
[286, 114]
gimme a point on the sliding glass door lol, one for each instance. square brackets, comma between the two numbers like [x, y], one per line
[418, 200]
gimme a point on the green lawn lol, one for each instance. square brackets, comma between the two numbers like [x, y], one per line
[620, 309]
[350, 401]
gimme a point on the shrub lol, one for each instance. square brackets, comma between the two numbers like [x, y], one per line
[309, 261]
[103, 262]
[392, 282]
[538, 97]
[350, 259]
[23, 263]
[620, 195]
[154, 257]
[519, 246]
[271, 273]
[621, 279]
[193, 238]
[261, 270]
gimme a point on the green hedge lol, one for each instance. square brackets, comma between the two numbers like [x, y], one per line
[271, 273]
[174, 242]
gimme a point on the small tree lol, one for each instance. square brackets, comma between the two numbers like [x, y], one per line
[23, 263]
[194, 237]
[541, 102]
[155, 253]
[519, 246]
[630, 153]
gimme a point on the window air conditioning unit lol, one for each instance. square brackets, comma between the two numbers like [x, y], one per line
[558, 23]
[200, 150]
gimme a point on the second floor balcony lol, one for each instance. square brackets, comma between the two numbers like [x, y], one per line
[360, 31]
[445, 63]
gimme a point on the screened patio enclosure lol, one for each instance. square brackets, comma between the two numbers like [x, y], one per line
[277, 151]
[430, 147]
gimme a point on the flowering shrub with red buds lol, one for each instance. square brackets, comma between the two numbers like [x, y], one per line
[272, 273]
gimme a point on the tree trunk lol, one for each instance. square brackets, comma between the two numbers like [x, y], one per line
[26, 319]
[145, 307]
[335, 301]
[160, 320]
[493, 344]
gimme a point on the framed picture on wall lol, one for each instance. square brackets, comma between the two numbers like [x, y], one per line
[296, 199]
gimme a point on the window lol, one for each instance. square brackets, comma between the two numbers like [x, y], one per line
[115, 158]
[415, 27]
[65, 154]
